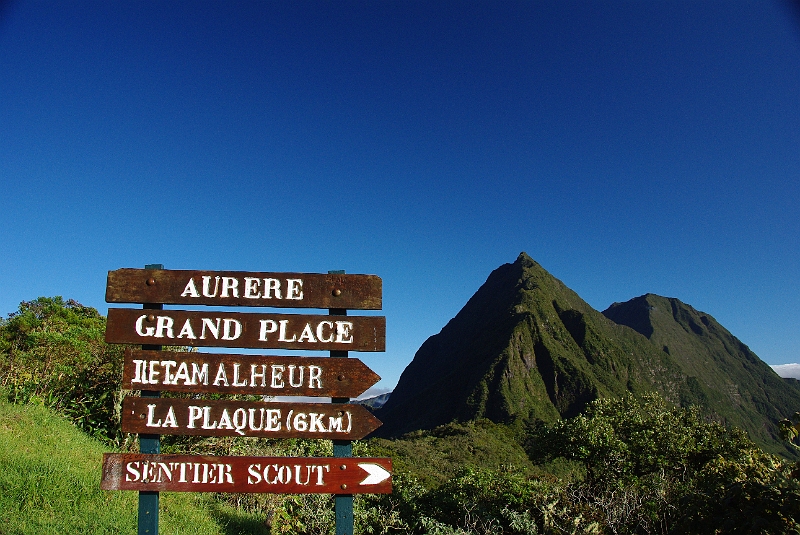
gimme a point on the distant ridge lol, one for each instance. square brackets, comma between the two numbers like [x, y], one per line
[525, 347]
[742, 389]
[375, 402]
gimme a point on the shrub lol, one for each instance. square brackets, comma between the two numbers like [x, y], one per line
[53, 352]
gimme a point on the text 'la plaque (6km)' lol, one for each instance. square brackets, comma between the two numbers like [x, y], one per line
[171, 416]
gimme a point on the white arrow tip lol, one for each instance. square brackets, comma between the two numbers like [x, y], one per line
[376, 473]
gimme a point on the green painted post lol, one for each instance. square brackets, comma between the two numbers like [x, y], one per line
[148, 501]
[343, 503]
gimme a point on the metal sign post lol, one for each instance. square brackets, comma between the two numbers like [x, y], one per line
[343, 503]
[149, 443]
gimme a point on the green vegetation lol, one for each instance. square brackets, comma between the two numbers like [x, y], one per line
[626, 464]
[790, 430]
[723, 375]
[50, 483]
[435, 457]
[53, 352]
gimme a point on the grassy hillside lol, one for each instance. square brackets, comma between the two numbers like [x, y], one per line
[50, 483]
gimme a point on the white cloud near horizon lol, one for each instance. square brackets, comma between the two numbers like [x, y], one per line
[787, 370]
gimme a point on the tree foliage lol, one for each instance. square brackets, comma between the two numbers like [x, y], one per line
[621, 440]
[652, 468]
[53, 352]
[790, 430]
[646, 468]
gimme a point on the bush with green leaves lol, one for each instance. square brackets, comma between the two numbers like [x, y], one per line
[652, 468]
[620, 440]
[754, 493]
[790, 430]
[53, 352]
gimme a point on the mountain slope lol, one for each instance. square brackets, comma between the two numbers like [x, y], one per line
[525, 347]
[742, 389]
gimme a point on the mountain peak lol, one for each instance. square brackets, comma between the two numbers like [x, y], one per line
[525, 347]
[525, 261]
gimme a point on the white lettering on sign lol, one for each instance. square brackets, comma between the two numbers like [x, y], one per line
[313, 422]
[339, 332]
[251, 288]
[220, 328]
[216, 328]
[188, 373]
[243, 421]
[186, 472]
[169, 420]
[274, 474]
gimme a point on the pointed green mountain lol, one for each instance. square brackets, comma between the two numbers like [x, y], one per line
[525, 347]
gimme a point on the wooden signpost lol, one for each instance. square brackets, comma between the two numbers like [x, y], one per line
[276, 475]
[236, 329]
[152, 370]
[225, 418]
[218, 373]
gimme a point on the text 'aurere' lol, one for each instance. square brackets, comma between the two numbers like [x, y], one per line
[249, 288]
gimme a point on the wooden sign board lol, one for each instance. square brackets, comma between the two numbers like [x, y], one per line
[170, 416]
[276, 475]
[238, 288]
[232, 329]
[245, 374]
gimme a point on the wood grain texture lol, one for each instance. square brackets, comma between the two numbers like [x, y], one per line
[218, 373]
[234, 418]
[344, 291]
[275, 475]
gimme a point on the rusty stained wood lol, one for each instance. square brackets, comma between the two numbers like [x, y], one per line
[245, 374]
[235, 418]
[274, 475]
[239, 288]
[242, 330]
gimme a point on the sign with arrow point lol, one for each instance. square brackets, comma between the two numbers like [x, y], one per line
[275, 475]
[218, 373]
[234, 418]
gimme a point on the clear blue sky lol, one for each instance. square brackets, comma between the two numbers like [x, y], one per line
[629, 147]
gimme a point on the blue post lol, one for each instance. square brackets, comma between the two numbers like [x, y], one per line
[148, 500]
[343, 503]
